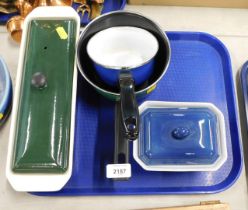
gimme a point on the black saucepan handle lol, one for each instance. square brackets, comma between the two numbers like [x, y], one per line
[126, 120]
[121, 142]
[129, 107]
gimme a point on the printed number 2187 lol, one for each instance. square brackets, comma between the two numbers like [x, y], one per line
[119, 171]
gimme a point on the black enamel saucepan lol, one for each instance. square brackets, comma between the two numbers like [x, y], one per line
[123, 55]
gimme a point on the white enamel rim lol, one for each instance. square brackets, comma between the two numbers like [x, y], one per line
[221, 144]
[39, 182]
[105, 39]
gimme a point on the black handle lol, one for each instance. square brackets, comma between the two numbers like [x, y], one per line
[121, 154]
[126, 119]
[129, 107]
[121, 142]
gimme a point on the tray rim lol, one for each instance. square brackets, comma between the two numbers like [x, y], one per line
[7, 95]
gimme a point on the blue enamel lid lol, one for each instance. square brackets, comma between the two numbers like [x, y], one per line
[5, 90]
[179, 136]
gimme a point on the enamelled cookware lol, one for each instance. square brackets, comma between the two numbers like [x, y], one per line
[40, 152]
[125, 85]
[180, 136]
[124, 49]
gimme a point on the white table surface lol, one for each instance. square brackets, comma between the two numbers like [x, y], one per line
[231, 27]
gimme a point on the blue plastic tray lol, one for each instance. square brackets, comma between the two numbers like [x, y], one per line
[200, 71]
[5, 91]
[109, 5]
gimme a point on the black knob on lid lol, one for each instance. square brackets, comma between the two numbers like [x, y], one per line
[39, 80]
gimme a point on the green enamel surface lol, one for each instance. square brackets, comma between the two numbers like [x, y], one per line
[44, 115]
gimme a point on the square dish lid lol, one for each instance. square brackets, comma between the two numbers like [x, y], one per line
[180, 136]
